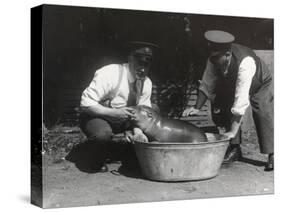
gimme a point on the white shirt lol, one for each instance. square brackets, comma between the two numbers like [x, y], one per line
[246, 71]
[105, 81]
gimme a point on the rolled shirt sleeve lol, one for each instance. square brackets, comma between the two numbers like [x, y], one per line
[246, 72]
[98, 89]
[208, 82]
[146, 94]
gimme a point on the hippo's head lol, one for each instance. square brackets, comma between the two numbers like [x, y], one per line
[145, 117]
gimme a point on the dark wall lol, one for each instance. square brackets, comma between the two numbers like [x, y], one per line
[78, 40]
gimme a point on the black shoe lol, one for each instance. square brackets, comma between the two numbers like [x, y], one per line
[270, 163]
[233, 153]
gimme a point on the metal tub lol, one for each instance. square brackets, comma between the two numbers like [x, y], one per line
[182, 161]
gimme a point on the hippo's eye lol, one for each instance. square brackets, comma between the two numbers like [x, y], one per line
[149, 115]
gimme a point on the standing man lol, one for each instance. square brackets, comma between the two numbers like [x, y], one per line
[105, 102]
[233, 79]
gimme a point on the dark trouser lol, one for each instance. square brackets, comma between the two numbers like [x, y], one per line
[263, 114]
[99, 133]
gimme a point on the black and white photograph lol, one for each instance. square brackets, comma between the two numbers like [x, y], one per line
[146, 106]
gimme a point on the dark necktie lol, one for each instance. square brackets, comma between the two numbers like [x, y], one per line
[135, 91]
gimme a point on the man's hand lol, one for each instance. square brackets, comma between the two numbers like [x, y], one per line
[235, 124]
[110, 114]
[228, 135]
[137, 136]
[121, 114]
[190, 111]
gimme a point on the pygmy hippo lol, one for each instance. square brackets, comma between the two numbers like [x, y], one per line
[166, 130]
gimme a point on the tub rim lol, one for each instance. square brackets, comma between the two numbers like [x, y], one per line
[156, 143]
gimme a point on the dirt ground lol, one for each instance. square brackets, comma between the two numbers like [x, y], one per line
[65, 184]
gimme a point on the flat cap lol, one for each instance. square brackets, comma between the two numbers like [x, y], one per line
[219, 40]
[141, 48]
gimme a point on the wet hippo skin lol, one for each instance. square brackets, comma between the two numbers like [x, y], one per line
[166, 130]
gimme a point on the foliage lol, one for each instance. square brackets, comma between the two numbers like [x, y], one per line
[172, 97]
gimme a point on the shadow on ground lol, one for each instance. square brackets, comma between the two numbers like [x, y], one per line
[82, 156]
[252, 162]
[87, 158]
[257, 163]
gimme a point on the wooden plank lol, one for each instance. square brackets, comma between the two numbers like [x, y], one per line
[198, 122]
[193, 104]
[196, 118]
[202, 113]
[201, 122]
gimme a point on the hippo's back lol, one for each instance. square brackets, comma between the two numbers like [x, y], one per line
[178, 131]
